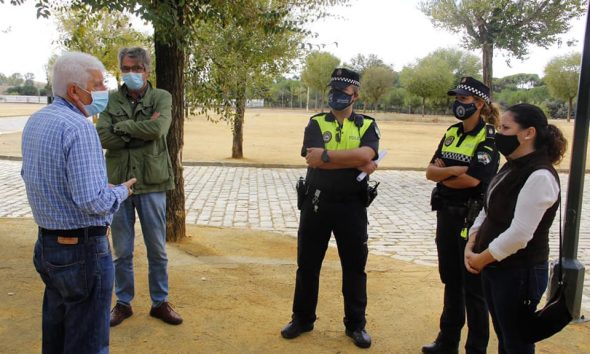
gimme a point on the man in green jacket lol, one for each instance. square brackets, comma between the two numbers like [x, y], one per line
[133, 130]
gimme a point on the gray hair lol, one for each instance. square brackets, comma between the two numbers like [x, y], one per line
[73, 68]
[138, 53]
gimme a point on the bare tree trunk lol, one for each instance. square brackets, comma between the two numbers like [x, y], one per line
[307, 101]
[569, 108]
[238, 122]
[423, 105]
[487, 60]
[170, 77]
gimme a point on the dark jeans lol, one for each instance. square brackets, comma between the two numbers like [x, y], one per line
[463, 291]
[78, 289]
[348, 221]
[505, 291]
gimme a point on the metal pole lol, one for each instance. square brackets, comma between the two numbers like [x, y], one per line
[574, 270]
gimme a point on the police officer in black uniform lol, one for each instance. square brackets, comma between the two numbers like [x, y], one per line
[462, 166]
[337, 146]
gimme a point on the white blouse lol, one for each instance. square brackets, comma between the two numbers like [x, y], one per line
[538, 194]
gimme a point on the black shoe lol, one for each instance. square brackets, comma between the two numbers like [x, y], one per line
[294, 329]
[440, 348]
[360, 337]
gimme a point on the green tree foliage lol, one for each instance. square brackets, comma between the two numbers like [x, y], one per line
[511, 25]
[517, 81]
[361, 62]
[430, 78]
[15, 79]
[317, 71]
[375, 82]
[100, 33]
[561, 76]
[238, 53]
[461, 63]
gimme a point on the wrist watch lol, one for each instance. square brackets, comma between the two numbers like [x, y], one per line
[325, 157]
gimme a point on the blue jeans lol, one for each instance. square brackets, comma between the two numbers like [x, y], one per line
[151, 209]
[505, 291]
[78, 288]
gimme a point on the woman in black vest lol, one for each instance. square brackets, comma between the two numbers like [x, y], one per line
[509, 240]
[463, 165]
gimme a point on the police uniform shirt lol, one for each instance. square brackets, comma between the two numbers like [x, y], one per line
[338, 181]
[475, 149]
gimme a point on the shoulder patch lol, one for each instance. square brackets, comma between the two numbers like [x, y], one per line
[484, 157]
[377, 131]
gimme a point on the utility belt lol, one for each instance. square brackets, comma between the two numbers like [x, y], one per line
[304, 189]
[468, 209]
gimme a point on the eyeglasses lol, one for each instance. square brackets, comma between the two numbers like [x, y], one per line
[135, 69]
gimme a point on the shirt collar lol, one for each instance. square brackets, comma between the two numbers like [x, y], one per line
[60, 101]
[473, 131]
[125, 90]
[330, 117]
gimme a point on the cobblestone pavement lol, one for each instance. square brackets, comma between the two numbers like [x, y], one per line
[400, 223]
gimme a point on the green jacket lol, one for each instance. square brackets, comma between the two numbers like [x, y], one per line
[136, 146]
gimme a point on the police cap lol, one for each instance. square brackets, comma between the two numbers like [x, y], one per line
[469, 86]
[342, 78]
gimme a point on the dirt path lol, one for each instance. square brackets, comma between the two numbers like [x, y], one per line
[234, 289]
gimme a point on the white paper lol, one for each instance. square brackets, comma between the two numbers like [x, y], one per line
[362, 175]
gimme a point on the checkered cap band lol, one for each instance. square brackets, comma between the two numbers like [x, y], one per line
[475, 92]
[346, 80]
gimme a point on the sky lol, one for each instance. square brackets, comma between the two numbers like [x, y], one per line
[394, 30]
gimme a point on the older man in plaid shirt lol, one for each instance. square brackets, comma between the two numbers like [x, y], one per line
[65, 178]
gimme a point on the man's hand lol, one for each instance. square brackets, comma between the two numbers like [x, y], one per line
[314, 157]
[155, 116]
[368, 168]
[129, 184]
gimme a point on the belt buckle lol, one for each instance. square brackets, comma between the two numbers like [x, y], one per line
[64, 240]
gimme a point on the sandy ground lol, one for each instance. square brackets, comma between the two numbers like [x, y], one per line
[234, 289]
[275, 136]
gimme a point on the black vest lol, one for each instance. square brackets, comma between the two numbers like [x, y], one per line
[500, 212]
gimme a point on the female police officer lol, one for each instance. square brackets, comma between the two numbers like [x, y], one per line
[462, 166]
[336, 146]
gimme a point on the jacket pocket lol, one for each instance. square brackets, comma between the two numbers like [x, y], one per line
[156, 168]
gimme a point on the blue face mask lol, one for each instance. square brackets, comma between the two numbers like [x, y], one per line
[134, 81]
[339, 100]
[100, 99]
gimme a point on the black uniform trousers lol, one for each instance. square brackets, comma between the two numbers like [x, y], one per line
[463, 290]
[348, 221]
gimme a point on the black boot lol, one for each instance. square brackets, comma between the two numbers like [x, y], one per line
[439, 347]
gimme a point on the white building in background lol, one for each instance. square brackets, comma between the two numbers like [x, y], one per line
[22, 99]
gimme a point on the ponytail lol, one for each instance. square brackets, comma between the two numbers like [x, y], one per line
[491, 114]
[553, 140]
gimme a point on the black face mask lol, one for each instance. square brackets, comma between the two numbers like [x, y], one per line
[463, 111]
[506, 144]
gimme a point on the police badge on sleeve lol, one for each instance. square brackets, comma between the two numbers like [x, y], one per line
[484, 158]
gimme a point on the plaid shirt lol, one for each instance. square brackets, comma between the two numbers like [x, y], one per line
[64, 170]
